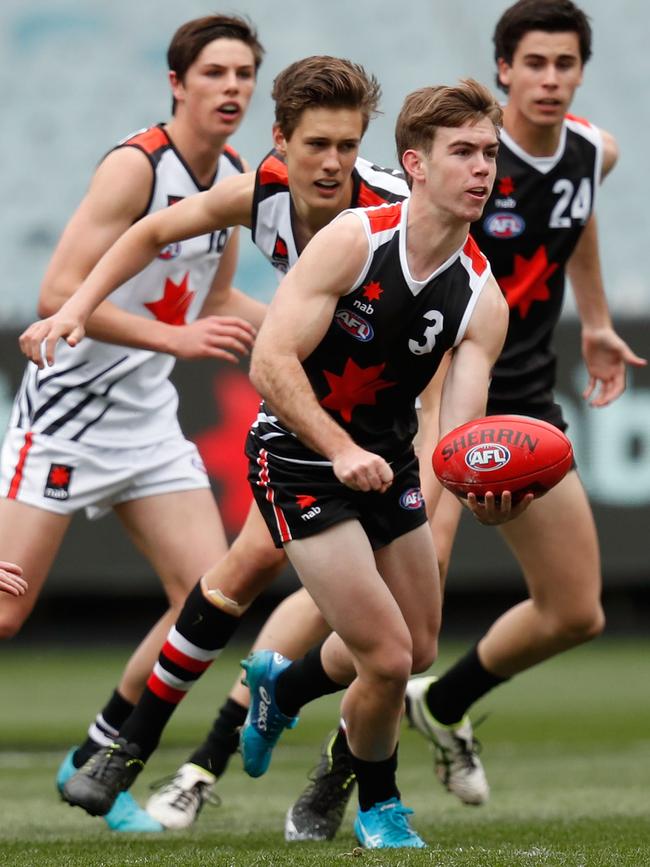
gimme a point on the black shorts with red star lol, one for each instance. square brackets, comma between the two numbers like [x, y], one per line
[298, 500]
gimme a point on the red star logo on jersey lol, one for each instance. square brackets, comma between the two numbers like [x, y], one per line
[356, 386]
[172, 307]
[528, 282]
[506, 186]
[305, 500]
[372, 291]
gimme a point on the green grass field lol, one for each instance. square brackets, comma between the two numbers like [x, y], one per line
[566, 748]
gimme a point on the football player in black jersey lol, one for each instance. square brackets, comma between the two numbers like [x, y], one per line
[538, 223]
[331, 456]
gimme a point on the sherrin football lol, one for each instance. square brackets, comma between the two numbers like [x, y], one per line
[503, 453]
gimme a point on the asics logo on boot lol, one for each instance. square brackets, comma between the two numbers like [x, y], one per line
[263, 712]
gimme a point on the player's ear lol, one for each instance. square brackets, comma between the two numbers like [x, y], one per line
[413, 164]
[279, 140]
[503, 72]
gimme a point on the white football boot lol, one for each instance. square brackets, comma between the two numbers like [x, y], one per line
[180, 798]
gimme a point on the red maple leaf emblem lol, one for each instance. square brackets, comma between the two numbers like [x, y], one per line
[357, 385]
[305, 500]
[172, 307]
[280, 247]
[372, 291]
[528, 282]
[59, 476]
[222, 446]
[506, 186]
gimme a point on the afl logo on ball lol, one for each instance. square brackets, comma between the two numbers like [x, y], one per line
[487, 457]
[504, 225]
[412, 499]
[355, 325]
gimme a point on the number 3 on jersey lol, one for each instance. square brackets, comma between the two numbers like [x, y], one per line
[430, 332]
[578, 205]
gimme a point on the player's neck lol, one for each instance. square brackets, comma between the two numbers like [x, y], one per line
[535, 140]
[431, 238]
[307, 219]
[200, 154]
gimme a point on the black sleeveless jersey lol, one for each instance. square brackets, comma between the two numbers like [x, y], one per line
[529, 229]
[272, 217]
[385, 342]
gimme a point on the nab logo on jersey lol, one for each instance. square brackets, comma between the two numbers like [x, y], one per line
[412, 499]
[354, 325]
[504, 225]
[58, 482]
[487, 457]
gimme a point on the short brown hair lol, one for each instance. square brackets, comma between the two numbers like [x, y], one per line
[192, 37]
[321, 81]
[549, 16]
[430, 107]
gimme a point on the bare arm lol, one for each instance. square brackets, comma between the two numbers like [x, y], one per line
[291, 331]
[104, 219]
[605, 353]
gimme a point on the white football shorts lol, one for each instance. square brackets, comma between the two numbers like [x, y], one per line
[63, 476]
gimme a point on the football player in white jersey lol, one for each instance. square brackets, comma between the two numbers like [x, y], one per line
[98, 429]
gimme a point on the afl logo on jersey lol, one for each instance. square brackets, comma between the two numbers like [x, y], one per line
[504, 225]
[487, 457]
[171, 251]
[412, 499]
[355, 325]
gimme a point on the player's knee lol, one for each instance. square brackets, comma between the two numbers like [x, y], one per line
[582, 624]
[391, 662]
[424, 655]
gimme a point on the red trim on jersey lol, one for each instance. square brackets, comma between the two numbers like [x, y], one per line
[20, 466]
[233, 153]
[151, 140]
[368, 198]
[189, 663]
[273, 171]
[385, 218]
[280, 520]
[166, 693]
[479, 262]
[582, 120]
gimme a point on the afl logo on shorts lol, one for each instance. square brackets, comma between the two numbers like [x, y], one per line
[487, 457]
[355, 325]
[171, 251]
[412, 499]
[504, 225]
[58, 482]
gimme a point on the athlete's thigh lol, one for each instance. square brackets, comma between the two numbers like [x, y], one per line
[181, 534]
[556, 544]
[30, 537]
[409, 568]
[337, 566]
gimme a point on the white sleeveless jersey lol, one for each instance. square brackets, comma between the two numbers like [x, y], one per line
[112, 396]
[271, 227]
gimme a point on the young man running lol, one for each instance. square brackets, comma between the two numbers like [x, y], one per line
[335, 431]
[323, 106]
[98, 428]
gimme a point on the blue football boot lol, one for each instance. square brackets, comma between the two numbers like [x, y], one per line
[386, 826]
[264, 722]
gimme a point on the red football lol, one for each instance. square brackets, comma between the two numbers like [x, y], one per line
[503, 453]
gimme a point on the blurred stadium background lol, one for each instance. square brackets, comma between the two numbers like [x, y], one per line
[78, 75]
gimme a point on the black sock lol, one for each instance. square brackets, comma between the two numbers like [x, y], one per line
[340, 744]
[200, 633]
[222, 740]
[303, 681]
[376, 780]
[450, 697]
[104, 728]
